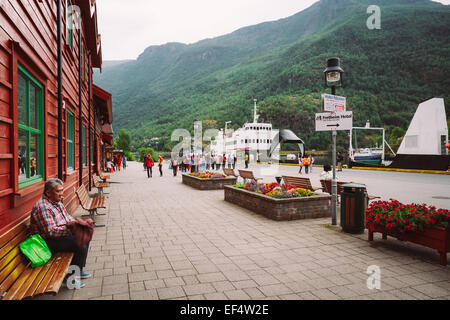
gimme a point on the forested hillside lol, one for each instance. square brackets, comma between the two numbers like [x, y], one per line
[388, 72]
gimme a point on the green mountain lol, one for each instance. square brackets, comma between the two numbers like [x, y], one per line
[388, 72]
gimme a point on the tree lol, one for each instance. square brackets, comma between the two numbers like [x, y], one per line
[124, 140]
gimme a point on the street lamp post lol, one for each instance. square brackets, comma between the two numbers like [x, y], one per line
[333, 78]
[225, 137]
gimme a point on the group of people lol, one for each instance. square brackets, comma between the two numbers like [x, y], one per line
[116, 163]
[192, 163]
[305, 162]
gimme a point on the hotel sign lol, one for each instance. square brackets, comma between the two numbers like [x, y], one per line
[334, 121]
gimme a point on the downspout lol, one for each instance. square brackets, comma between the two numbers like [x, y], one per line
[80, 105]
[90, 108]
[60, 100]
[95, 140]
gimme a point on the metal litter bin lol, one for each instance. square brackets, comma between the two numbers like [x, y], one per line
[353, 207]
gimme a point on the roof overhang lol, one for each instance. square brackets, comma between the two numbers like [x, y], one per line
[93, 39]
[103, 101]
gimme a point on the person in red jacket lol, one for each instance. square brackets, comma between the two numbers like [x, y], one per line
[149, 163]
[119, 162]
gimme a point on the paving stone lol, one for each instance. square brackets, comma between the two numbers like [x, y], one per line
[172, 292]
[198, 289]
[237, 295]
[275, 290]
[431, 290]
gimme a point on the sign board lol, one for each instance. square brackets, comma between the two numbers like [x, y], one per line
[331, 103]
[334, 121]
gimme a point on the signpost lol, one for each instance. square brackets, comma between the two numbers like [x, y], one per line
[334, 121]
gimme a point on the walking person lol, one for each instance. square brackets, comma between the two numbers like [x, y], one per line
[306, 163]
[174, 167]
[311, 161]
[160, 164]
[246, 160]
[224, 160]
[124, 162]
[234, 161]
[119, 161]
[339, 159]
[300, 163]
[149, 163]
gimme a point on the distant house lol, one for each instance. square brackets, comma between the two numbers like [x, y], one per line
[31, 115]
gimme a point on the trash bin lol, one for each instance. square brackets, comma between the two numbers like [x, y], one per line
[353, 207]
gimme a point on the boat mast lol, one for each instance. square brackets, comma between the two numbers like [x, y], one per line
[254, 113]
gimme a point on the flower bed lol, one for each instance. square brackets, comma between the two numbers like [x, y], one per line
[278, 191]
[207, 175]
[417, 223]
[207, 180]
[279, 202]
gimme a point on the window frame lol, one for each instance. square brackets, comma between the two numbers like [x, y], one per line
[84, 145]
[70, 150]
[40, 170]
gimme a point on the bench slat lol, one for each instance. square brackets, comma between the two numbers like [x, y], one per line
[13, 262]
[6, 249]
[42, 272]
[18, 286]
[19, 229]
[34, 275]
[60, 274]
[54, 263]
[5, 262]
[13, 276]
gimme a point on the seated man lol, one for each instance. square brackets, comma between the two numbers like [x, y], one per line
[326, 174]
[50, 219]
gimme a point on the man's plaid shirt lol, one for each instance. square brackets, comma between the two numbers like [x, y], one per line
[49, 219]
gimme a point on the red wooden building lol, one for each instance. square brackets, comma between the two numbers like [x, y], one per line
[50, 118]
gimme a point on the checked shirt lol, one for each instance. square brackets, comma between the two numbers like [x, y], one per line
[49, 219]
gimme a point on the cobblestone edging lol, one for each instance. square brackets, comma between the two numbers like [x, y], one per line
[207, 184]
[280, 209]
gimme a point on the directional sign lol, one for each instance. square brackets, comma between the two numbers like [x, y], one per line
[333, 103]
[334, 121]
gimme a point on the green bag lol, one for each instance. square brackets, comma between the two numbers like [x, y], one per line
[36, 250]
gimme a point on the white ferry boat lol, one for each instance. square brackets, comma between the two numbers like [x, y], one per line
[253, 138]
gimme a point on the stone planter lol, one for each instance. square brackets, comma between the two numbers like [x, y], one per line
[280, 209]
[207, 184]
[435, 238]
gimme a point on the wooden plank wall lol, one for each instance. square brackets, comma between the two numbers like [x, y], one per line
[28, 36]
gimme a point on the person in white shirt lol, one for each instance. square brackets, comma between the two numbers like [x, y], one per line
[326, 174]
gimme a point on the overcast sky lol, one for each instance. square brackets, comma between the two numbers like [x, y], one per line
[129, 26]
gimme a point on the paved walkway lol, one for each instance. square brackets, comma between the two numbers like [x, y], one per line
[165, 240]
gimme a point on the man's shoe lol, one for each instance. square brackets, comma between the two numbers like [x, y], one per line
[85, 275]
[75, 284]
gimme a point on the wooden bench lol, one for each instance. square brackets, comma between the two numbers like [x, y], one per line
[17, 279]
[230, 173]
[103, 176]
[326, 184]
[301, 182]
[99, 185]
[90, 203]
[248, 175]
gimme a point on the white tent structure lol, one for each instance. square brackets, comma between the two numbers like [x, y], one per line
[428, 132]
